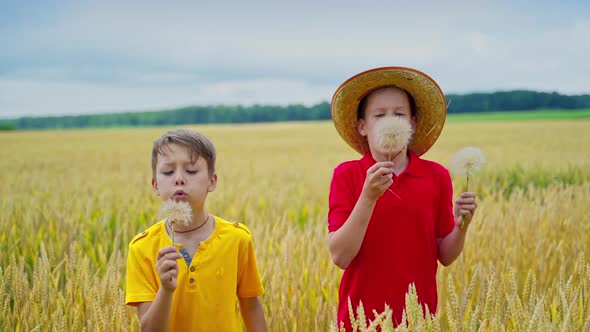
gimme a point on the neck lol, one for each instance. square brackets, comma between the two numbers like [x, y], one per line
[400, 159]
[199, 217]
[400, 162]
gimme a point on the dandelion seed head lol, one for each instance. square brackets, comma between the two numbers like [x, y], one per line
[176, 212]
[394, 132]
[466, 161]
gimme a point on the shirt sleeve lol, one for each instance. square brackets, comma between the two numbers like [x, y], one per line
[341, 200]
[249, 283]
[141, 285]
[445, 221]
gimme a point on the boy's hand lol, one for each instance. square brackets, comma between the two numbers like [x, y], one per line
[167, 267]
[379, 178]
[465, 207]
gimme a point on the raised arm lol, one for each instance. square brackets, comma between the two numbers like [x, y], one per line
[346, 242]
[154, 316]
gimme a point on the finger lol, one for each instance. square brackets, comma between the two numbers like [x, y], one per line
[387, 179]
[167, 259]
[163, 268]
[169, 275]
[465, 213]
[372, 169]
[465, 201]
[172, 256]
[386, 164]
[384, 178]
[469, 207]
[386, 184]
[378, 165]
[378, 179]
[469, 200]
[167, 265]
[468, 194]
[166, 250]
[383, 172]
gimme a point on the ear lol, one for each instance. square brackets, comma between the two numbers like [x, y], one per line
[155, 186]
[212, 182]
[361, 127]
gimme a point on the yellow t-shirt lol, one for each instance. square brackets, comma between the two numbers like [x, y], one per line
[206, 299]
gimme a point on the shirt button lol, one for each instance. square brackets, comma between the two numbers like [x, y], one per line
[192, 269]
[191, 280]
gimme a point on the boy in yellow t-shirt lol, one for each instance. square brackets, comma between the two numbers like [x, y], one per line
[215, 279]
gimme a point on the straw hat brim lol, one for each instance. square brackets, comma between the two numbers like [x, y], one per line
[431, 110]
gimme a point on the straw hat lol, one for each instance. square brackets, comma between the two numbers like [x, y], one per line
[431, 110]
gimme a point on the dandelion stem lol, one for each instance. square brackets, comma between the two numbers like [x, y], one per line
[396, 195]
[466, 190]
[390, 151]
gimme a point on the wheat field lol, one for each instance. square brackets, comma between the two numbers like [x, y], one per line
[70, 202]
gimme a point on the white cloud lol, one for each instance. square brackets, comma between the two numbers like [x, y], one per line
[134, 55]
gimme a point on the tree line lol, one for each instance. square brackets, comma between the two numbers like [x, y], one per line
[517, 100]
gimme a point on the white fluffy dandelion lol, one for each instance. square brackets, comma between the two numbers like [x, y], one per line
[176, 213]
[466, 162]
[394, 133]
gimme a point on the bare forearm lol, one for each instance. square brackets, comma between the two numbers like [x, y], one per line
[346, 242]
[451, 246]
[253, 315]
[157, 316]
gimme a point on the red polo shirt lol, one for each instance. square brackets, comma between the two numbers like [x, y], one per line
[400, 245]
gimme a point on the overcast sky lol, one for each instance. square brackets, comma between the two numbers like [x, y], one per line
[80, 57]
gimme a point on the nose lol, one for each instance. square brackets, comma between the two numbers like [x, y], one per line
[179, 180]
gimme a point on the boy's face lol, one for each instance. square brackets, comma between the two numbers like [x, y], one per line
[182, 179]
[382, 103]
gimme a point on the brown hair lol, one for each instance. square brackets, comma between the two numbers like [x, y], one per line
[363, 103]
[198, 144]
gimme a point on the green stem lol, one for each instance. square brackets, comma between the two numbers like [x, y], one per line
[390, 151]
[466, 190]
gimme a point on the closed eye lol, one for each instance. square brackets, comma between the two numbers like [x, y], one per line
[191, 171]
[168, 172]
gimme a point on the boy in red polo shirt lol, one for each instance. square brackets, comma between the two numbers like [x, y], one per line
[392, 221]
